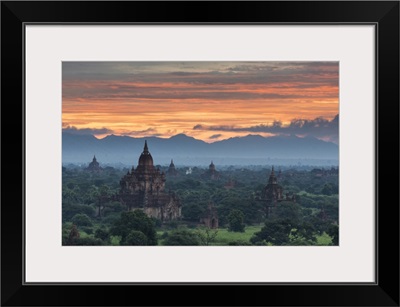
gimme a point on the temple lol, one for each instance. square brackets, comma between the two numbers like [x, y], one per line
[172, 170]
[230, 184]
[210, 217]
[211, 173]
[273, 192]
[94, 166]
[143, 188]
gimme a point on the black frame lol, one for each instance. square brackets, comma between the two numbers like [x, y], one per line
[383, 14]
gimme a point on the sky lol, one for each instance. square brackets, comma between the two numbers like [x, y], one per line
[210, 101]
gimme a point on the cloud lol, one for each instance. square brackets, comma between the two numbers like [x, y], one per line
[215, 136]
[197, 80]
[319, 127]
[215, 89]
[141, 133]
[87, 131]
[200, 127]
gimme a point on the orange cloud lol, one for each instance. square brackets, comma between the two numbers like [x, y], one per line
[165, 102]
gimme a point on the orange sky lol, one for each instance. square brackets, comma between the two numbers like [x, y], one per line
[207, 100]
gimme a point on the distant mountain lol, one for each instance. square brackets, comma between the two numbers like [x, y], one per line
[188, 150]
[287, 147]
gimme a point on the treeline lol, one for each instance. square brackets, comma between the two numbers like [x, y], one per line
[88, 202]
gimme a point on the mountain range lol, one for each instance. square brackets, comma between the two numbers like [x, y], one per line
[186, 150]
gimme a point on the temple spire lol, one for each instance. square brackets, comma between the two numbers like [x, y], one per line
[272, 177]
[145, 159]
[146, 149]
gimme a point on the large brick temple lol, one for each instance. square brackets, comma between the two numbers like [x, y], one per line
[144, 188]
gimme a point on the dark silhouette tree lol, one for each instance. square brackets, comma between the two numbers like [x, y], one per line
[102, 234]
[235, 219]
[134, 220]
[81, 220]
[182, 237]
[333, 232]
[207, 235]
[275, 231]
[136, 237]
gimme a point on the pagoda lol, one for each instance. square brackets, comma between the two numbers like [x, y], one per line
[144, 188]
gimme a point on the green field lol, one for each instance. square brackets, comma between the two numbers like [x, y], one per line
[224, 237]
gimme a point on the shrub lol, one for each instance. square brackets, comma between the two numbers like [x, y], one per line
[134, 220]
[136, 237]
[239, 243]
[81, 220]
[182, 237]
[102, 234]
[88, 241]
[236, 218]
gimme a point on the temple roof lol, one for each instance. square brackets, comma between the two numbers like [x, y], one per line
[145, 158]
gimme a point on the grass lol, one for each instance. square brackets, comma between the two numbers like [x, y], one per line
[224, 237]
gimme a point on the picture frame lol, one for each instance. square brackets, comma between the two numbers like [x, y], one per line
[384, 15]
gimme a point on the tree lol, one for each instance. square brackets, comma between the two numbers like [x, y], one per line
[327, 189]
[69, 210]
[287, 210]
[102, 234]
[70, 196]
[206, 235]
[136, 237]
[81, 220]
[103, 198]
[239, 243]
[91, 195]
[134, 220]
[307, 231]
[275, 231]
[182, 237]
[235, 219]
[303, 235]
[88, 241]
[333, 232]
[112, 207]
[192, 211]
[286, 232]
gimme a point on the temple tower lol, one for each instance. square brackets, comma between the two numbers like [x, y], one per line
[143, 188]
